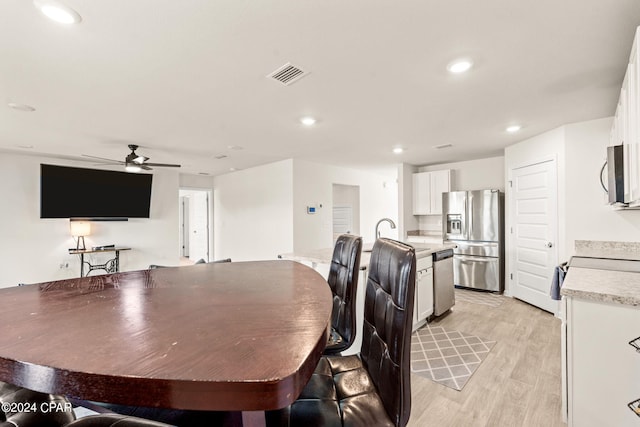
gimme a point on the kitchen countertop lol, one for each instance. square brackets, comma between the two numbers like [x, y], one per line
[425, 233]
[619, 287]
[610, 250]
[323, 256]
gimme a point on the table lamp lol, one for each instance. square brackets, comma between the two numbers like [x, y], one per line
[79, 229]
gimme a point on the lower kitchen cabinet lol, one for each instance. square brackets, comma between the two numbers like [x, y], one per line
[603, 370]
[423, 300]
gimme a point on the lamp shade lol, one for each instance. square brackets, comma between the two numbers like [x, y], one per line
[80, 228]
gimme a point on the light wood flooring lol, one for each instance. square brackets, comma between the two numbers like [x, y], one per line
[518, 384]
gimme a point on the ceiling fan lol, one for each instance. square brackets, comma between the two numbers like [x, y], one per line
[134, 162]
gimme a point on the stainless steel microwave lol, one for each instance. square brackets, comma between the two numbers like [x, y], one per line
[615, 167]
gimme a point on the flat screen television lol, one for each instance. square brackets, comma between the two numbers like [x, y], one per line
[68, 192]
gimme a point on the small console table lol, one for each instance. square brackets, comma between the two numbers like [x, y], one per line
[111, 266]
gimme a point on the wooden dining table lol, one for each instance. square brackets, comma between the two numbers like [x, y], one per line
[240, 336]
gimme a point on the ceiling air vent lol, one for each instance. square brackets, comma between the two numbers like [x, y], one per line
[220, 156]
[440, 147]
[288, 74]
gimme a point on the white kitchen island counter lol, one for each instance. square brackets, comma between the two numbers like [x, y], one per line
[323, 256]
[601, 313]
[320, 260]
[618, 287]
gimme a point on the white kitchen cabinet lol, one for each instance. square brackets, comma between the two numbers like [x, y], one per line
[625, 130]
[422, 193]
[423, 300]
[440, 183]
[603, 370]
[427, 191]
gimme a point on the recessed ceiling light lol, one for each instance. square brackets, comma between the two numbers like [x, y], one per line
[308, 121]
[233, 169]
[234, 147]
[398, 150]
[21, 107]
[513, 128]
[27, 147]
[58, 12]
[459, 66]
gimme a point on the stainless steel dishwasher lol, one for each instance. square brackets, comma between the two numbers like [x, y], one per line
[443, 288]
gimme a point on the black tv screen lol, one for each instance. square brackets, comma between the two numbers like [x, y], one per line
[68, 192]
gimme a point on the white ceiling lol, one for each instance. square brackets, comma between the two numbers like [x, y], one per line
[187, 79]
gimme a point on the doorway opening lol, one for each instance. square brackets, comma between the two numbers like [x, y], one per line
[194, 219]
[346, 210]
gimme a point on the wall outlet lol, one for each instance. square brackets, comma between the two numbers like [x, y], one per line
[64, 265]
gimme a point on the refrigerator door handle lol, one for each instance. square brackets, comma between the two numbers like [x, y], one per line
[464, 220]
[470, 211]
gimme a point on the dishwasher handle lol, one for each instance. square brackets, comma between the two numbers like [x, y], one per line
[442, 255]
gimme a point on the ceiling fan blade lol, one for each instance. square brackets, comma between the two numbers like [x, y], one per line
[139, 160]
[107, 164]
[145, 167]
[117, 162]
[164, 165]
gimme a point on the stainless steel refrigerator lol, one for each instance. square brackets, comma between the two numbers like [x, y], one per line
[474, 222]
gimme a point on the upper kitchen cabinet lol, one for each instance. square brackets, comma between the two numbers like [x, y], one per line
[626, 126]
[427, 191]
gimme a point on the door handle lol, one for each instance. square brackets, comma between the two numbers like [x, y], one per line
[549, 245]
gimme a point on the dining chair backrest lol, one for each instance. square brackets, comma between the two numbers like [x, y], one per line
[114, 420]
[343, 281]
[24, 407]
[388, 314]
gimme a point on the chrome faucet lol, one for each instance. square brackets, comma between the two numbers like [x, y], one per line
[393, 225]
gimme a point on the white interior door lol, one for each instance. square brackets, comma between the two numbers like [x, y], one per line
[194, 219]
[533, 232]
[199, 226]
[346, 210]
[342, 221]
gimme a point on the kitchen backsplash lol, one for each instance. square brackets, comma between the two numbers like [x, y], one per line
[430, 223]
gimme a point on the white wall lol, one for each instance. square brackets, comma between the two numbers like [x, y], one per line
[580, 149]
[313, 184]
[254, 212]
[196, 181]
[32, 248]
[473, 174]
[588, 217]
[407, 221]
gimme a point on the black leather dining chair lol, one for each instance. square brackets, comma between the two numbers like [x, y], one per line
[373, 387]
[22, 407]
[343, 281]
[27, 408]
[114, 420]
